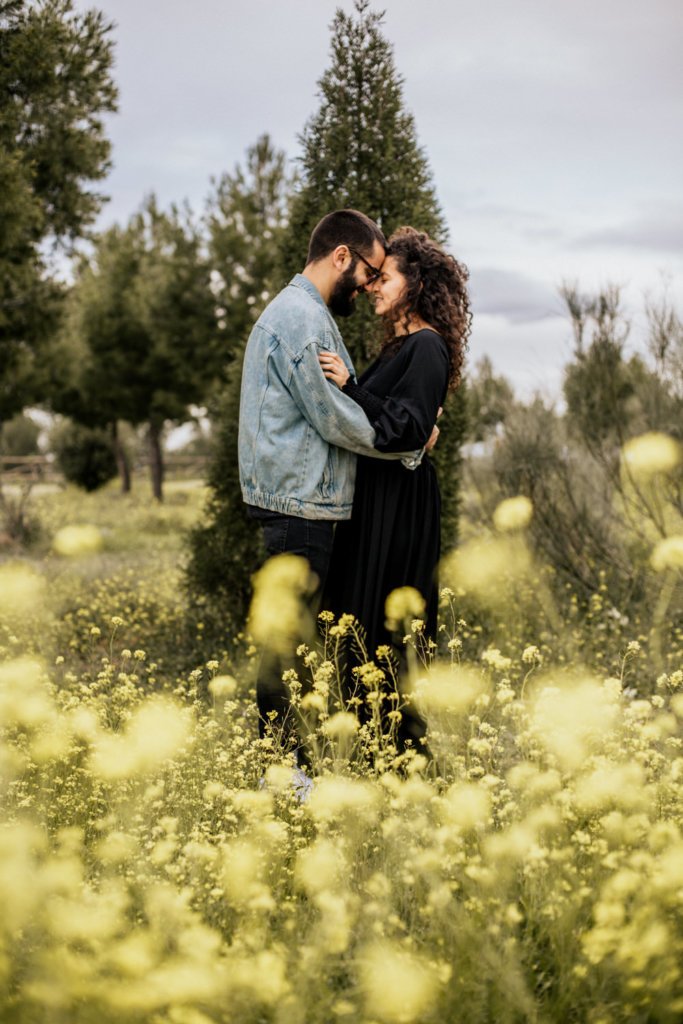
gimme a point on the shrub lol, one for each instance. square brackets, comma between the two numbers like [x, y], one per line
[85, 456]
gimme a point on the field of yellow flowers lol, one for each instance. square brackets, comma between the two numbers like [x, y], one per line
[158, 865]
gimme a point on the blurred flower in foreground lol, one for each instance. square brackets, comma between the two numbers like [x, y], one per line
[334, 797]
[25, 698]
[467, 805]
[158, 731]
[322, 866]
[401, 604]
[668, 554]
[608, 784]
[244, 874]
[651, 453]
[72, 541]
[399, 987]
[453, 689]
[223, 687]
[481, 566]
[21, 590]
[574, 718]
[342, 726]
[277, 613]
[513, 514]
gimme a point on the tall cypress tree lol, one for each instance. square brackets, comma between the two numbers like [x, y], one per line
[361, 149]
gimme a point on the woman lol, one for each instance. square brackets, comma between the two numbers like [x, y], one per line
[393, 537]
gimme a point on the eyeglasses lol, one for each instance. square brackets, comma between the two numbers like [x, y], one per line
[374, 272]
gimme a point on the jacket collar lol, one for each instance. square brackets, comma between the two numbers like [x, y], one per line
[299, 281]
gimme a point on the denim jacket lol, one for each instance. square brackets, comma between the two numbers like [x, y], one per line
[298, 432]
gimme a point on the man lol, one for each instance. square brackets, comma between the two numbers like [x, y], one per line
[298, 433]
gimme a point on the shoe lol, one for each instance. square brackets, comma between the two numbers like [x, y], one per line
[302, 784]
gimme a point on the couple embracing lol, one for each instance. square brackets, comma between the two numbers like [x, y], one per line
[334, 467]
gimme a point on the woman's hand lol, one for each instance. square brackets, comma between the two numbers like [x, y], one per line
[333, 367]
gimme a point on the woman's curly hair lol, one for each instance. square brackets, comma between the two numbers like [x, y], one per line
[435, 290]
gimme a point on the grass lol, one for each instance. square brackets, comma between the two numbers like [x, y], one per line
[157, 866]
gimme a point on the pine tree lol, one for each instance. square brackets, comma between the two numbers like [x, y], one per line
[247, 218]
[360, 149]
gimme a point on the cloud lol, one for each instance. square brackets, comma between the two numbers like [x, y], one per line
[507, 293]
[530, 355]
[532, 224]
[660, 231]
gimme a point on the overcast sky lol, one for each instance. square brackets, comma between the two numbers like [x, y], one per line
[554, 130]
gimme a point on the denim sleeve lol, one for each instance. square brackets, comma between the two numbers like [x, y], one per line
[335, 416]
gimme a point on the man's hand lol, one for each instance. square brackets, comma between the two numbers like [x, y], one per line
[434, 435]
[333, 367]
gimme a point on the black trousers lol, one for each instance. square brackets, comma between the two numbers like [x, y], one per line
[311, 539]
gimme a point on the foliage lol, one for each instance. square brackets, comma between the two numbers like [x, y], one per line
[140, 341]
[448, 459]
[18, 526]
[134, 572]
[600, 503]
[55, 85]
[225, 546]
[597, 385]
[85, 456]
[19, 436]
[246, 220]
[246, 223]
[489, 399]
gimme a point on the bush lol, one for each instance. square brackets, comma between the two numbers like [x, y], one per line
[85, 456]
[225, 547]
[19, 436]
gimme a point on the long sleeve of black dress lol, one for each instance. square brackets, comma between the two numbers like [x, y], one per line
[404, 418]
[371, 405]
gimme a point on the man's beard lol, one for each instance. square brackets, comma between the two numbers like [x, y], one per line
[341, 303]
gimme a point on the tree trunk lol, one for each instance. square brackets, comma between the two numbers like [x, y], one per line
[156, 461]
[121, 459]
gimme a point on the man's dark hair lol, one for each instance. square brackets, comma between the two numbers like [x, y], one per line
[344, 227]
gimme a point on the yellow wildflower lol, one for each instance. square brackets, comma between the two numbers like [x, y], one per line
[513, 514]
[651, 453]
[668, 554]
[401, 604]
[72, 541]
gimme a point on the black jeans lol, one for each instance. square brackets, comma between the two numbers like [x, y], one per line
[311, 539]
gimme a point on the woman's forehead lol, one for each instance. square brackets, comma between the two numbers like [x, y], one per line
[389, 266]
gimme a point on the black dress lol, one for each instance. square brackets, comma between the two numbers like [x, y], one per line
[393, 537]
